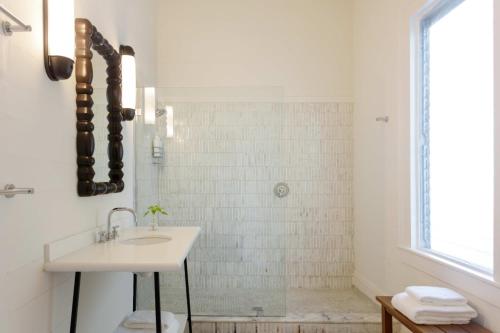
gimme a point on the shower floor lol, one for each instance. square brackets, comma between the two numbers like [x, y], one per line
[308, 311]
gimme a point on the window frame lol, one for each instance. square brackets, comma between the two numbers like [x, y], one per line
[420, 238]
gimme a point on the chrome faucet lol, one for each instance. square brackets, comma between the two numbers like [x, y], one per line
[109, 235]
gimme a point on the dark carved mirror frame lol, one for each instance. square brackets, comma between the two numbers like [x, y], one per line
[87, 38]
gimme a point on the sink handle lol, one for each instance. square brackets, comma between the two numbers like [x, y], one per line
[102, 236]
[115, 233]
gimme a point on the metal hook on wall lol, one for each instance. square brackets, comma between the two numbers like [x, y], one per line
[7, 28]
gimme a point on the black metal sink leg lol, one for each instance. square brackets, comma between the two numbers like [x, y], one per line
[157, 303]
[134, 296]
[74, 308]
[188, 298]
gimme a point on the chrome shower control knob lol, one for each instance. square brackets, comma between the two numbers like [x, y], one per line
[281, 190]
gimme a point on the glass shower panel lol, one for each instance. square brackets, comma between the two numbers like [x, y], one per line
[218, 172]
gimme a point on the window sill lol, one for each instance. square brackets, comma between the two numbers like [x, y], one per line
[474, 282]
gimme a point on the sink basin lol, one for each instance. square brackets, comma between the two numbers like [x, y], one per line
[147, 240]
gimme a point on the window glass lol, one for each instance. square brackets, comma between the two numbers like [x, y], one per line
[457, 156]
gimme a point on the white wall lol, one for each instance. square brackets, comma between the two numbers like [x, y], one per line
[37, 135]
[302, 46]
[371, 95]
[381, 159]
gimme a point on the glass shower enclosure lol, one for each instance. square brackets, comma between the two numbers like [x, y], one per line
[212, 157]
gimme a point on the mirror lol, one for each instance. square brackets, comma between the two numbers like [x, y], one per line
[100, 120]
[99, 112]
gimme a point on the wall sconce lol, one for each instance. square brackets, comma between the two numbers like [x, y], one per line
[169, 110]
[129, 83]
[149, 105]
[58, 38]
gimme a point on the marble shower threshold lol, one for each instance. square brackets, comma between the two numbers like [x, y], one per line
[316, 306]
[308, 311]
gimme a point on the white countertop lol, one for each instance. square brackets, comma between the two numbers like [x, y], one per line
[115, 256]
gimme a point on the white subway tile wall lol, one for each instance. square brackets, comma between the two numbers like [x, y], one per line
[219, 171]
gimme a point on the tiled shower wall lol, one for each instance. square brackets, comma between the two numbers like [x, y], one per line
[219, 172]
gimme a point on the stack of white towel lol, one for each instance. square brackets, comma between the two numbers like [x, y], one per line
[433, 306]
[145, 322]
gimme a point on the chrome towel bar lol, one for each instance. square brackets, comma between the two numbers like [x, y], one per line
[10, 191]
[8, 28]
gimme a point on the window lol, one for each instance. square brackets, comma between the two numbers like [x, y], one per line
[455, 132]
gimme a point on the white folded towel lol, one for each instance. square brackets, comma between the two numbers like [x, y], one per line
[436, 295]
[147, 320]
[122, 329]
[144, 274]
[432, 314]
[444, 321]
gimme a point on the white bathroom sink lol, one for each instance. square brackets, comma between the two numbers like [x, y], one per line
[136, 250]
[147, 240]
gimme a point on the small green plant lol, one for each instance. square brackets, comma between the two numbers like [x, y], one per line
[155, 210]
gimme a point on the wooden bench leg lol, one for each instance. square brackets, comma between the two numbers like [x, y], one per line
[386, 321]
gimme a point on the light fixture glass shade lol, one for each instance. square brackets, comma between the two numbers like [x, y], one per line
[61, 28]
[149, 105]
[59, 38]
[169, 113]
[128, 82]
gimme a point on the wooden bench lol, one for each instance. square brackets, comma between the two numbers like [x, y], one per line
[388, 311]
